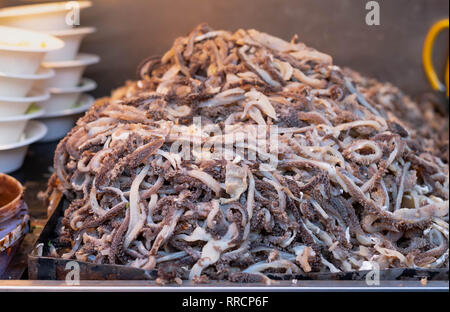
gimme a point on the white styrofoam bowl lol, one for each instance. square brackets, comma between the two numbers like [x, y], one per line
[15, 106]
[20, 85]
[67, 98]
[72, 40]
[60, 123]
[68, 73]
[41, 17]
[22, 51]
[11, 128]
[13, 155]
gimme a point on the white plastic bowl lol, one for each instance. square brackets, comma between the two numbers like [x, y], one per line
[15, 106]
[11, 128]
[21, 51]
[68, 73]
[60, 123]
[20, 85]
[13, 155]
[40, 17]
[62, 99]
[72, 40]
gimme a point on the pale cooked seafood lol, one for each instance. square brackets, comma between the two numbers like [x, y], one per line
[361, 178]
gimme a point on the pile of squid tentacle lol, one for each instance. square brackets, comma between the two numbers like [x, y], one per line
[361, 180]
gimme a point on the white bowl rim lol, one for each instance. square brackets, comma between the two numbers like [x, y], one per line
[42, 73]
[87, 85]
[86, 102]
[39, 133]
[54, 43]
[82, 59]
[40, 8]
[23, 117]
[35, 96]
[72, 32]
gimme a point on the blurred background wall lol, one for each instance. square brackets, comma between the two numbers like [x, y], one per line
[130, 30]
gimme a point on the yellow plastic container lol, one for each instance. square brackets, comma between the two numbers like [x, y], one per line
[435, 30]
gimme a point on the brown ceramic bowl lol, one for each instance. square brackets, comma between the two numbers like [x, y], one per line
[11, 192]
[11, 236]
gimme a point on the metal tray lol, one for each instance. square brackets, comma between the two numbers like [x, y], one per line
[48, 268]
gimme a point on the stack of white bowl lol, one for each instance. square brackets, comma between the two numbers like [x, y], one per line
[21, 54]
[68, 86]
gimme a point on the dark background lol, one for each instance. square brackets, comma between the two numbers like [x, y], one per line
[130, 30]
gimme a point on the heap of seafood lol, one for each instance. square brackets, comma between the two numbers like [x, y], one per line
[170, 174]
